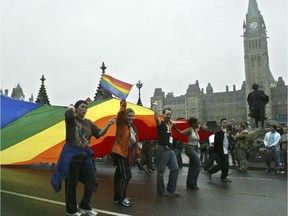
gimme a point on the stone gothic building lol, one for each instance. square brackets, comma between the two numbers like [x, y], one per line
[210, 106]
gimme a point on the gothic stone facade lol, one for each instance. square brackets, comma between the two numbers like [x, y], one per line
[212, 106]
[233, 105]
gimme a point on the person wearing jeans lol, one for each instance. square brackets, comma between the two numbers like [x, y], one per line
[165, 154]
[167, 158]
[271, 142]
[191, 151]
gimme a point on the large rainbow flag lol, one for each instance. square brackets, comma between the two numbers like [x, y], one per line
[116, 87]
[34, 133]
[38, 135]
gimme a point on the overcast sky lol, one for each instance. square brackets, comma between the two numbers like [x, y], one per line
[166, 44]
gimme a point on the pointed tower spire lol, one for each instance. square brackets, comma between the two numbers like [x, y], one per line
[244, 24]
[42, 97]
[256, 57]
[253, 10]
[101, 93]
[209, 89]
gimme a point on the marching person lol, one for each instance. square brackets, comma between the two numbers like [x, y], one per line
[125, 153]
[221, 145]
[165, 154]
[76, 162]
[191, 151]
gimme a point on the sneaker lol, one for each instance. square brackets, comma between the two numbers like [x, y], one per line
[126, 202]
[88, 212]
[174, 194]
[74, 214]
[226, 180]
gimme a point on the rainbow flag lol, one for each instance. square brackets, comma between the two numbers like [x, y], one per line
[35, 133]
[116, 87]
[38, 135]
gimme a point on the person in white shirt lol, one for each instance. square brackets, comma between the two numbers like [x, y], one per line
[271, 142]
[221, 145]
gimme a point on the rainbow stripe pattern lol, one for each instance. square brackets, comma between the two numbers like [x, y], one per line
[38, 134]
[116, 87]
[35, 133]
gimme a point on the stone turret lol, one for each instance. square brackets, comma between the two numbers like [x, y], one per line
[209, 89]
[18, 93]
[280, 82]
[101, 93]
[194, 89]
[31, 99]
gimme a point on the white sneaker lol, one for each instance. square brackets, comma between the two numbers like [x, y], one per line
[74, 214]
[126, 202]
[89, 212]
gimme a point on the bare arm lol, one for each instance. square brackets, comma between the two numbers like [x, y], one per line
[120, 118]
[156, 116]
[185, 132]
[107, 126]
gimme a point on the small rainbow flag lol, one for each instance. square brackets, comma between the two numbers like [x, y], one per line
[116, 87]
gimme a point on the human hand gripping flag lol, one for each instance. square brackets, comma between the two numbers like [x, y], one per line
[116, 87]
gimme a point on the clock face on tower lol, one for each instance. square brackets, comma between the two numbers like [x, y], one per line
[253, 25]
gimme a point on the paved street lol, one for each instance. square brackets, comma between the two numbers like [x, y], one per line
[26, 191]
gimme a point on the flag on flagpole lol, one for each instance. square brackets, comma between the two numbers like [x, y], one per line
[116, 87]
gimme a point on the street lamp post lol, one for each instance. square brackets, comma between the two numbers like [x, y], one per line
[139, 86]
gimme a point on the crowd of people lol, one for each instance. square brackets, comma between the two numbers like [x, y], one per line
[76, 162]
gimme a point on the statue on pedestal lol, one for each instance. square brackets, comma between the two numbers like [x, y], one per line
[257, 101]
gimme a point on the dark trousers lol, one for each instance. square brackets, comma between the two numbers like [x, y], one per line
[211, 159]
[234, 154]
[83, 170]
[147, 156]
[122, 177]
[222, 164]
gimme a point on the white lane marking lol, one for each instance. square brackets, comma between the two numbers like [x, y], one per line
[257, 179]
[58, 203]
